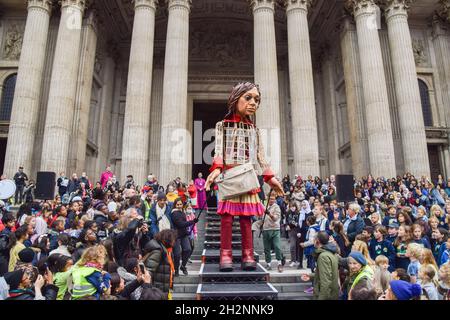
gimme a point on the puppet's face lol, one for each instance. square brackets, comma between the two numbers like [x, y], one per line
[248, 103]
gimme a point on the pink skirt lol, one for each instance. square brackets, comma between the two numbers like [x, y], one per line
[244, 205]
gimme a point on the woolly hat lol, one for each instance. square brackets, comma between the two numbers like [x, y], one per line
[358, 256]
[161, 196]
[14, 278]
[26, 255]
[404, 290]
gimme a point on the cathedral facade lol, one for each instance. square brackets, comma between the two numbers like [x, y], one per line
[348, 86]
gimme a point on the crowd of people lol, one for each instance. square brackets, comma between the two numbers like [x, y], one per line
[102, 241]
[123, 241]
[391, 243]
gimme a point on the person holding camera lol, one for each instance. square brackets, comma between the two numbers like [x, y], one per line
[131, 234]
[182, 246]
[25, 284]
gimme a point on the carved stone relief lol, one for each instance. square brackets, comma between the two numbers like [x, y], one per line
[13, 42]
[419, 52]
[214, 45]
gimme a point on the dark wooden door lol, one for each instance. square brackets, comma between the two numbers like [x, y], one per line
[206, 115]
[435, 162]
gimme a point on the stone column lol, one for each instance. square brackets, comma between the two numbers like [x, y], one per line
[139, 88]
[83, 97]
[61, 100]
[303, 108]
[25, 110]
[175, 137]
[355, 98]
[332, 113]
[155, 127]
[415, 152]
[441, 41]
[379, 131]
[266, 76]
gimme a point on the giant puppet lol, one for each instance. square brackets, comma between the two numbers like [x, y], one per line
[238, 142]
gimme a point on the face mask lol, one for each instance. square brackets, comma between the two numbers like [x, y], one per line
[292, 209]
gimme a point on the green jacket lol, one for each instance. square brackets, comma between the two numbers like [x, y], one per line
[326, 277]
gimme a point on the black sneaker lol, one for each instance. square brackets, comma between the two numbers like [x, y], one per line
[189, 261]
[183, 268]
[283, 261]
[177, 274]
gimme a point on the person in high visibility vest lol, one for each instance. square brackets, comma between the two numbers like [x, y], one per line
[88, 277]
[359, 269]
[146, 204]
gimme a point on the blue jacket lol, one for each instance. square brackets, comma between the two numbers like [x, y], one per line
[384, 248]
[423, 241]
[154, 228]
[388, 220]
[438, 249]
[354, 228]
[444, 257]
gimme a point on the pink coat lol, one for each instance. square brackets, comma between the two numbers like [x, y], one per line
[104, 177]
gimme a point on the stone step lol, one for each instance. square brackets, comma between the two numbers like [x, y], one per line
[184, 296]
[185, 288]
[186, 280]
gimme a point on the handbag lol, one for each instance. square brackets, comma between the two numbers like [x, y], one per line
[237, 180]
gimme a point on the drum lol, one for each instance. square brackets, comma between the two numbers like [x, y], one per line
[7, 189]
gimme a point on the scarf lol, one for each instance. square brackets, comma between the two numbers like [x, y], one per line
[303, 213]
[172, 266]
[164, 222]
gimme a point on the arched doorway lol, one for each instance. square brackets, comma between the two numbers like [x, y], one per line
[6, 104]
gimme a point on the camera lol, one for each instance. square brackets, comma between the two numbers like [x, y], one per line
[142, 222]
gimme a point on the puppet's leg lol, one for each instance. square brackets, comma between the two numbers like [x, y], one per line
[248, 259]
[226, 253]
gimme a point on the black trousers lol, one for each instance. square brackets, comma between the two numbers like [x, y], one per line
[18, 194]
[182, 250]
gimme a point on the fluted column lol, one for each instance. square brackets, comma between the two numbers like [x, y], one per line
[415, 152]
[355, 98]
[83, 98]
[61, 100]
[139, 88]
[175, 138]
[441, 41]
[303, 108]
[155, 127]
[24, 115]
[266, 76]
[379, 131]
